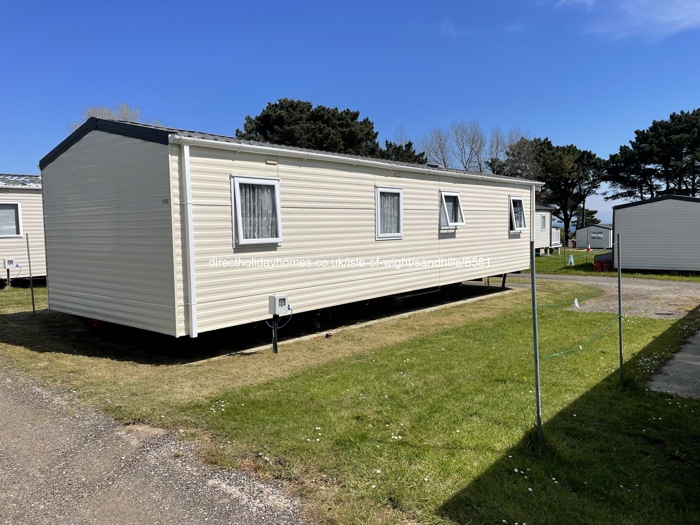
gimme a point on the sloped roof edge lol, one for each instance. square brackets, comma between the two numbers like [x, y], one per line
[127, 129]
[163, 135]
[603, 226]
[657, 199]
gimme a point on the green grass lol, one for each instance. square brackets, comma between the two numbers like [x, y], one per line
[427, 419]
[559, 264]
[432, 430]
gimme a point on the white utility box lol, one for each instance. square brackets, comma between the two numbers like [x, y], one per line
[278, 304]
[9, 264]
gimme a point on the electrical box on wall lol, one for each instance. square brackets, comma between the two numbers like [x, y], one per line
[278, 304]
[9, 264]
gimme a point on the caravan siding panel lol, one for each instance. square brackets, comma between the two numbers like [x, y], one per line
[599, 238]
[109, 234]
[543, 229]
[178, 235]
[329, 254]
[661, 235]
[32, 218]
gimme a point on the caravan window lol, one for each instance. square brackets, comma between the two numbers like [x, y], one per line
[256, 210]
[517, 214]
[451, 214]
[10, 223]
[389, 212]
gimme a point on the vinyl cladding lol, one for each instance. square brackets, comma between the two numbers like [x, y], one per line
[32, 221]
[108, 232]
[329, 254]
[543, 238]
[661, 235]
[116, 234]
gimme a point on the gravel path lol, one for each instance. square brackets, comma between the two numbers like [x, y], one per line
[63, 463]
[640, 297]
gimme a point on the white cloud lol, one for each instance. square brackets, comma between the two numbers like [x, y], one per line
[589, 4]
[448, 28]
[650, 18]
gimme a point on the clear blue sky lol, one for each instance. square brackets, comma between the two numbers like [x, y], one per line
[583, 72]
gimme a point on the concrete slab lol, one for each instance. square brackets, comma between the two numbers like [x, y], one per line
[681, 375]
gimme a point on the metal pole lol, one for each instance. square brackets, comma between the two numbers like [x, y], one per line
[619, 303]
[31, 280]
[533, 284]
[275, 322]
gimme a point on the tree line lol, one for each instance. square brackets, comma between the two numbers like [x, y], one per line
[663, 159]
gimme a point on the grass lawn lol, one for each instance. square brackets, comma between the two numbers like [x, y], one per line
[425, 419]
[559, 264]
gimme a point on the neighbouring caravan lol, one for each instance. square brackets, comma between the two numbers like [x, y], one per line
[659, 234]
[598, 237]
[182, 232]
[21, 218]
[547, 236]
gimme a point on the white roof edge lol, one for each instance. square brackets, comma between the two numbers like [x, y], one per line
[284, 152]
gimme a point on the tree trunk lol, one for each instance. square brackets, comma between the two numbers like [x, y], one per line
[566, 219]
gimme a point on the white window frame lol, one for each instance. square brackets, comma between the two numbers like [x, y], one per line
[18, 206]
[516, 227]
[378, 190]
[445, 220]
[543, 223]
[236, 182]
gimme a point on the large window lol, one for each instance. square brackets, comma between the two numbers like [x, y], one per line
[389, 209]
[451, 214]
[257, 210]
[10, 222]
[517, 214]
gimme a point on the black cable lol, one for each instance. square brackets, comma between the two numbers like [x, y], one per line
[285, 324]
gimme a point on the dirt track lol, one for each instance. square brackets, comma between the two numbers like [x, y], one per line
[63, 463]
[640, 297]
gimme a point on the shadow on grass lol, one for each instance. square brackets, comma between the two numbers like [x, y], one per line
[618, 453]
[55, 332]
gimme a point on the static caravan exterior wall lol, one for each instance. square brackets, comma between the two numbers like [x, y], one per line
[599, 237]
[163, 250]
[659, 234]
[543, 229]
[109, 233]
[329, 254]
[21, 216]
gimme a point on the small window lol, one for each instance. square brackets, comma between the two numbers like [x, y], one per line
[517, 214]
[10, 222]
[389, 209]
[257, 210]
[451, 214]
[543, 222]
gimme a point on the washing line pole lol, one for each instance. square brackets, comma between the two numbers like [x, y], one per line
[619, 303]
[535, 336]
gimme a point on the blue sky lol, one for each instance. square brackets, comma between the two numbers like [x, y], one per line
[583, 72]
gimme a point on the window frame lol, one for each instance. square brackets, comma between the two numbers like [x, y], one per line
[379, 236]
[513, 224]
[18, 223]
[543, 223]
[448, 223]
[236, 181]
